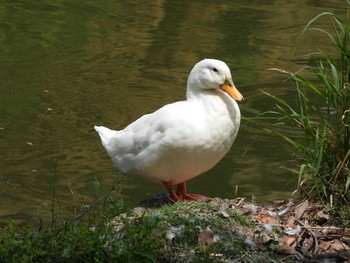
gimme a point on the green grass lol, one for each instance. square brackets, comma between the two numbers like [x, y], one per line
[80, 243]
[321, 119]
[137, 237]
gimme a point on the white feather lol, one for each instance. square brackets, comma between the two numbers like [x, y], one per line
[180, 140]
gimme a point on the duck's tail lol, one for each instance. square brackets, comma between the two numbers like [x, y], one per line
[106, 135]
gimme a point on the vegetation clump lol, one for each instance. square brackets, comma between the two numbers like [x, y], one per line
[321, 118]
[222, 230]
[181, 232]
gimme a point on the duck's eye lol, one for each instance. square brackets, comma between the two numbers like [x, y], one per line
[215, 69]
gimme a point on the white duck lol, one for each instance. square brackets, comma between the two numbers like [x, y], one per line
[181, 140]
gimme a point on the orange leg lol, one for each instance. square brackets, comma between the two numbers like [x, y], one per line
[172, 194]
[181, 194]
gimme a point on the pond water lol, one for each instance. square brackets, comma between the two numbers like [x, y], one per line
[68, 65]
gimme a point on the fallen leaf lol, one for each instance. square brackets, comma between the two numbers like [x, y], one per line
[300, 209]
[224, 214]
[324, 246]
[284, 211]
[289, 240]
[290, 222]
[264, 238]
[267, 228]
[139, 210]
[307, 243]
[337, 245]
[329, 230]
[178, 230]
[249, 209]
[323, 215]
[288, 250]
[206, 238]
[272, 213]
[265, 219]
[291, 231]
[170, 236]
[249, 240]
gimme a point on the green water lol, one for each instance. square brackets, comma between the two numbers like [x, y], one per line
[68, 65]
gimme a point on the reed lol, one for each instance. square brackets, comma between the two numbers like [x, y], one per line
[321, 118]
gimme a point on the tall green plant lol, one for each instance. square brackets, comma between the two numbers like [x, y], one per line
[322, 115]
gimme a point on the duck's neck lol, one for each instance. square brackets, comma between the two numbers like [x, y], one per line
[209, 95]
[217, 101]
[198, 93]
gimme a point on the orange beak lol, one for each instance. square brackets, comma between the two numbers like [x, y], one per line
[231, 90]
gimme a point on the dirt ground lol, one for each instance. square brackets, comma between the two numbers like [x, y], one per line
[301, 230]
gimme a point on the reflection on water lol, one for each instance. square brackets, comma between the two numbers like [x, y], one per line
[68, 65]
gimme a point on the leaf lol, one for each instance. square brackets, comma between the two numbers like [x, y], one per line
[307, 27]
[223, 214]
[170, 236]
[347, 183]
[323, 215]
[300, 209]
[284, 249]
[206, 238]
[333, 245]
[308, 83]
[324, 246]
[292, 231]
[290, 222]
[265, 219]
[290, 240]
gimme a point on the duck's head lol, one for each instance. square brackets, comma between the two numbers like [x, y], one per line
[212, 74]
